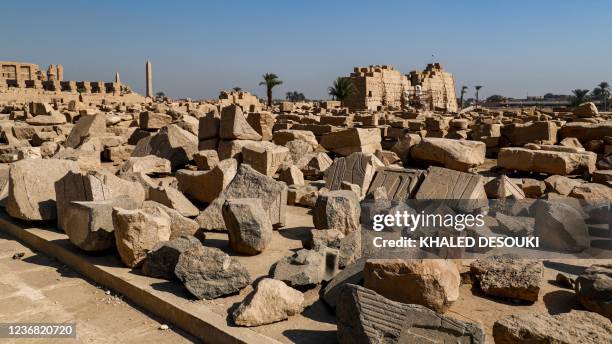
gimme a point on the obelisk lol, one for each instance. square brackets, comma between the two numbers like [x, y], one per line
[117, 78]
[149, 80]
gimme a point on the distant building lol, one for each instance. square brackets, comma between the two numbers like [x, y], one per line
[382, 86]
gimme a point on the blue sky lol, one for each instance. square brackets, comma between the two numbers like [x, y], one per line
[197, 48]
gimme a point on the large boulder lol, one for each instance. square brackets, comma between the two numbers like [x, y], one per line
[138, 231]
[345, 142]
[31, 191]
[265, 157]
[575, 327]
[161, 261]
[460, 155]
[179, 224]
[174, 199]
[208, 273]
[89, 224]
[508, 277]
[248, 225]
[594, 289]
[433, 283]
[519, 134]
[149, 164]
[586, 132]
[307, 267]
[367, 317]
[337, 210]
[546, 161]
[93, 186]
[271, 301]
[206, 186]
[586, 110]
[248, 183]
[282, 137]
[357, 168]
[234, 125]
[86, 127]
[560, 226]
[172, 143]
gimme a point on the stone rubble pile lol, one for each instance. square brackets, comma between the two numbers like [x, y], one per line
[151, 179]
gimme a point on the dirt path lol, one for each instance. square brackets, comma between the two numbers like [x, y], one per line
[36, 288]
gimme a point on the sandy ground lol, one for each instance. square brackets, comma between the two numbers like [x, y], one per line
[37, 289]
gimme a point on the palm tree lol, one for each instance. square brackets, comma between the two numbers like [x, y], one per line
[604, 92]
[270, 80]
[478, 87]
[579, 97]
[342, 88]
[463, 89]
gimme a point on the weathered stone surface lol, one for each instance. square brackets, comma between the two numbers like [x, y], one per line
[53, 118]
[150, 120]
[561, 184]
[585, 132]
[149, 164]
[93, 186]
[592, 192]
[262, 122]
[348, 246]
[460, 155]
[594, 289]
[206, 159]
[433, 283]
[138, 231]
[307, 267]
[367, 317]
[86, 127]
[265, 157]
[234, 125]
[313, 165]
[248, 225]
[585, 110]
[89, 224]
[357, 168]
[282, 137]
[445, 184]
[208, 127]
[503, 187]
[161, 261]
[519, 134]
[399, 183]
[208, 273]
[337, 210]
[298, 149]
[179, 224]
[403, 146]
[206, 186]
[174, 199]
[560, 226]
[546, 161]
[509, 277]
[291, 175]
[345, 142]
[172, 143]
[515, 226]
[270, 302]
[31, 191]
[351, 274]
[575, 327]
[248, 183]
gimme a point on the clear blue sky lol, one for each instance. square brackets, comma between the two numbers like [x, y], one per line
[197, 48]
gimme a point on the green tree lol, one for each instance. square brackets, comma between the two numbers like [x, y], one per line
[604, 93]
[270, 81]
[342, 88]
[495, 98]
[160, 94]
[478, 87]
[463, 90]
[579, 96]
[295, 96]
[237, 89]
